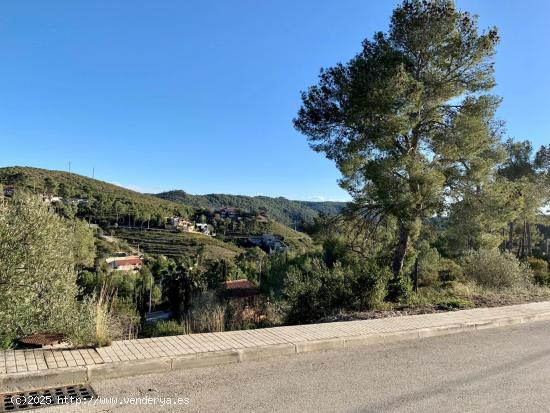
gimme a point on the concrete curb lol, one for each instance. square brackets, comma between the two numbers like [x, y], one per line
[16, 382]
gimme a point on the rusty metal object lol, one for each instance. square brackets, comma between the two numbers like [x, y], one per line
[43, 339]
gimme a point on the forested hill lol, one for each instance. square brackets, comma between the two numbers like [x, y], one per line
[280, 209]
[93, 199]
[104, 203]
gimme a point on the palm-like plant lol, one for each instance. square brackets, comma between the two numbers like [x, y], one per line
[183, 279]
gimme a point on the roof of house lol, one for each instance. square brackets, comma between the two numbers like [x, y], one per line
[127, 261]
[240, 288]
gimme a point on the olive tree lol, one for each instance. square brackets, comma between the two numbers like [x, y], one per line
[37, 277]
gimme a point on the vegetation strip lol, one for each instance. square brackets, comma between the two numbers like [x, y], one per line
[217, 348]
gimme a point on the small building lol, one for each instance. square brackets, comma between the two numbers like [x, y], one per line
[228, 212]
[9, 190]
[246, 299]
[50, 199]
[127, 263]
[202, 228]
[268, 242]
[180, 224]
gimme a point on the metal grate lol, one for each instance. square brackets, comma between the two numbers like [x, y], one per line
[20, 401]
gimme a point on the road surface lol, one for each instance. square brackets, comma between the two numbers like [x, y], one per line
[500, 370]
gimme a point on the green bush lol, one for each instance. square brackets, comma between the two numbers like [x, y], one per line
[540, 270]
[42, 297]
[314, 290]
[428, 265]
[369, 285]
[449, 270]
[495, 270]
[399, 289]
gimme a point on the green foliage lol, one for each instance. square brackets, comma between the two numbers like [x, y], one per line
[37, 277]
[449, 270]
[399, 290]
[94, 200]
[163, 328]
[84, 244]
[313, 290]
[449, 304]
[495, 270]
[407, 120]
[280, 209]
[540, 271]
[428, 265]
[182, 280]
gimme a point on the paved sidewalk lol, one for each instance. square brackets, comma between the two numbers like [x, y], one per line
[132, 357]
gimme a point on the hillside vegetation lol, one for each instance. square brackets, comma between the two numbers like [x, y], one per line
[280, 209]
[94, 200]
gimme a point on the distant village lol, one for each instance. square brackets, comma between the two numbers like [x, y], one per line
[123, 261]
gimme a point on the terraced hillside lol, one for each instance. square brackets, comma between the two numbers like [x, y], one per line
[294, 239]
[177, 244]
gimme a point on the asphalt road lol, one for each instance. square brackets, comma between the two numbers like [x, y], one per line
[498, 370]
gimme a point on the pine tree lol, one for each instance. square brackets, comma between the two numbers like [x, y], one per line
[408, 120]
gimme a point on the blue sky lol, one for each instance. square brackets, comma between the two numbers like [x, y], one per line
[199, 95]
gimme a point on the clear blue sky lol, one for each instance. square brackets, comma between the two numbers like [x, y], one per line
[199, 95]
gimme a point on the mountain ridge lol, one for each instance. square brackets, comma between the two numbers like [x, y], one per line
[145, 206]
[286, 211]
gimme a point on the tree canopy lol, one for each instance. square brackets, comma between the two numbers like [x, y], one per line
[408, 120]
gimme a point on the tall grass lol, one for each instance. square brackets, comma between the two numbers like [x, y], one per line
[103, 317]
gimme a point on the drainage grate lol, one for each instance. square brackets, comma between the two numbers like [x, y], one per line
[20, 401]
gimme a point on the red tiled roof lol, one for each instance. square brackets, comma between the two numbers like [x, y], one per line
[127, 261]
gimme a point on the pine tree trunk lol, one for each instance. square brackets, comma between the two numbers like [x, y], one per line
[400, 251]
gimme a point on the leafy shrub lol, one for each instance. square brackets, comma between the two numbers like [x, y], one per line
[540, 270]
[313, 290]
[369, 286]
[399, 289]
[449, 270]
[428, 265]
[496, 270]
[42, 297]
